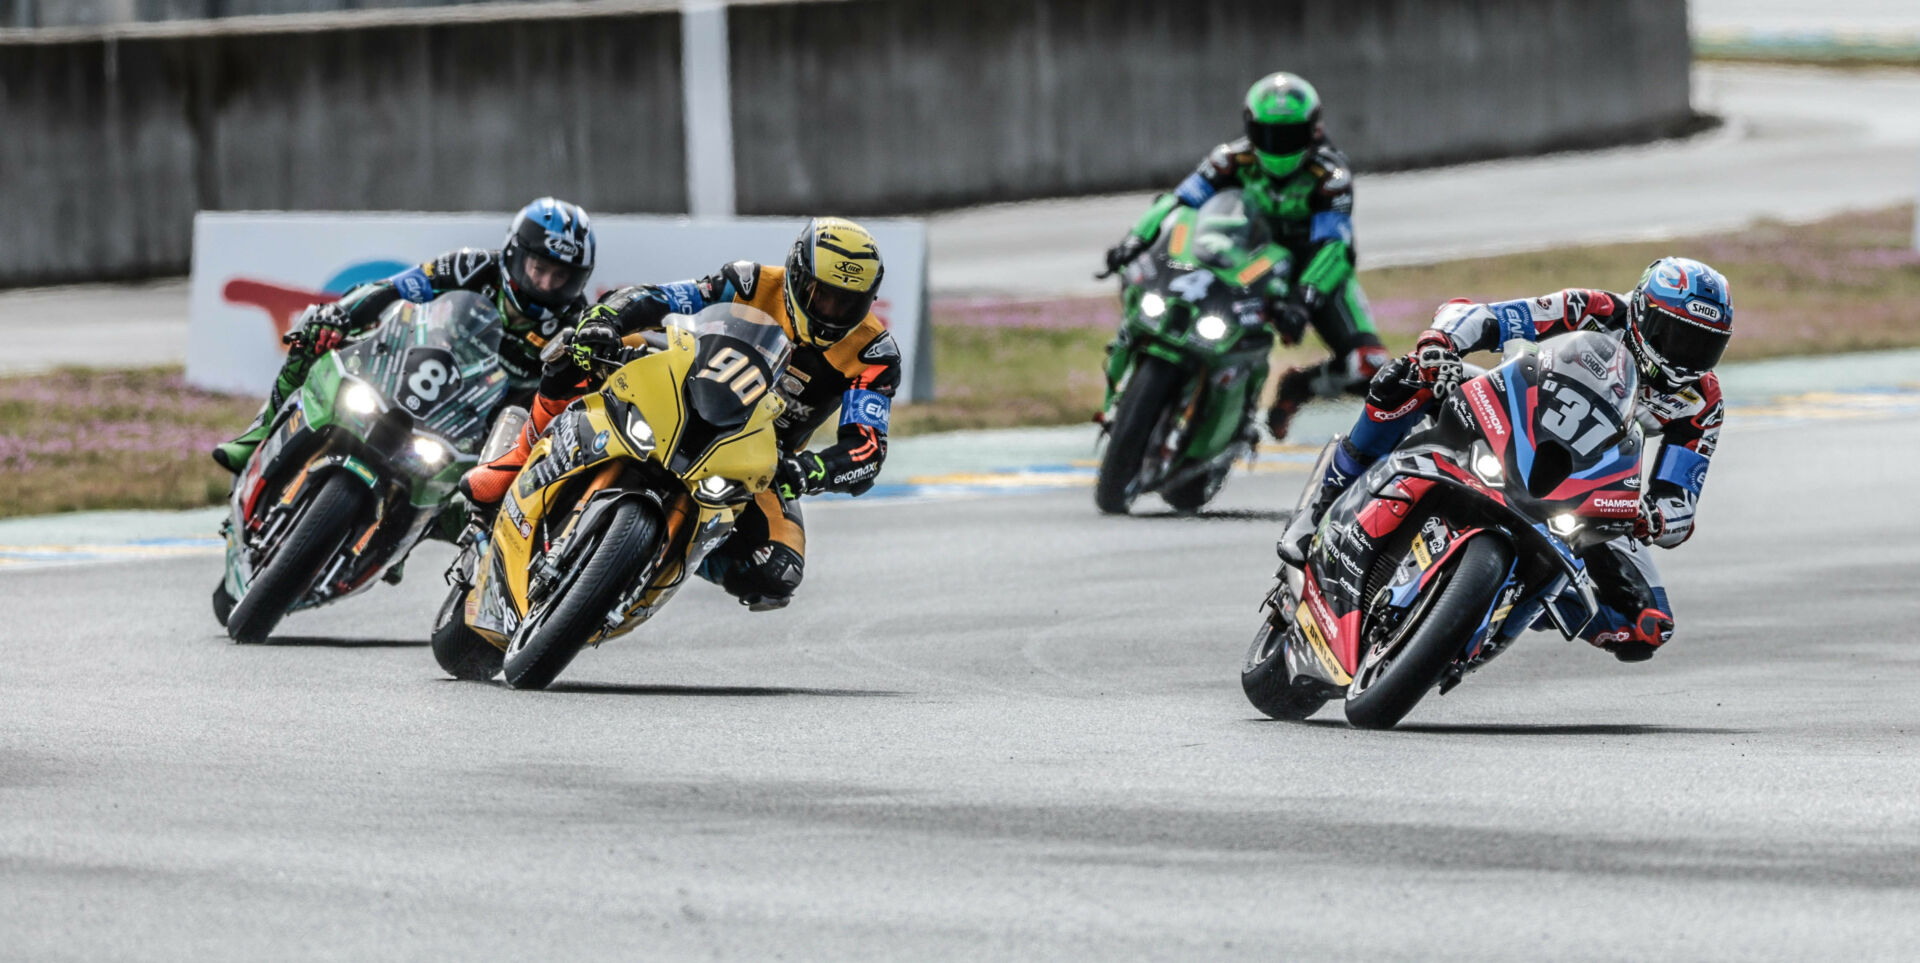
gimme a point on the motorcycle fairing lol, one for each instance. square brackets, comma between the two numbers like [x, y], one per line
[591, 444]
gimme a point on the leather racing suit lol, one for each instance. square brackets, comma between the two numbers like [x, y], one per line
[1635, 614]
[762, 561]
[1310, 214]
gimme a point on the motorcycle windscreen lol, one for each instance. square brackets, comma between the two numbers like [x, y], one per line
[1226, 230]
[439, 362]
[1587, 387]
[739, 352]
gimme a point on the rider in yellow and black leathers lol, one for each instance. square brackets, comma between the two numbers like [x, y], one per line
[843, 358]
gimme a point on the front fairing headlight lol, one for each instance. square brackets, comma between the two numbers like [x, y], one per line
[637, 433]
[359, 398]
[721, 492]
[1487, 466]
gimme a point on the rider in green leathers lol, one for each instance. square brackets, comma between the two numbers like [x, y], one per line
[1301, 185]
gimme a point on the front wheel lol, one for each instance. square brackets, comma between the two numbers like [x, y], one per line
[461, 651]
[327, 524]
[1149, 393]
[1265, 680]
[577, 608]
[1396, 673]
[1193, 494]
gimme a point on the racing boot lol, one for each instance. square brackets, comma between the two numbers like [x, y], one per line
[485, 485]
[1294, 389]
[1342, 469]
[234, 455]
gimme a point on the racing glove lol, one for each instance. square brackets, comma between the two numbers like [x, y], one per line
[322, 327]
[1437, 364]
[1289, 318]
[801, 474]
[1122, 254]
[1652, 522]
[594, 342]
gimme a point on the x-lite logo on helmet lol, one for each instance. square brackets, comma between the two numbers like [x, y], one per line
[833, 274]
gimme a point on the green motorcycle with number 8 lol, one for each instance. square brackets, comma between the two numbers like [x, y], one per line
[1185, 372]
[360, 461]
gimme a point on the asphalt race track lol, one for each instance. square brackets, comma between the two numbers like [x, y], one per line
[997, 727]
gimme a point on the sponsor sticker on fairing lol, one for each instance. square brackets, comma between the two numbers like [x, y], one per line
[1486, 411]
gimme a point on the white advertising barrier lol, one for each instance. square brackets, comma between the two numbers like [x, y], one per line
[254, 271]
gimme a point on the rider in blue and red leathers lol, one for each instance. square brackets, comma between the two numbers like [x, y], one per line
[1676, 322]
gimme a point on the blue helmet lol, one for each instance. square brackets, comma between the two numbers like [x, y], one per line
[548, 257]
[1679, 319]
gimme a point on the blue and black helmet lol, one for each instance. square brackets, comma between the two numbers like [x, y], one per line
[548, 257]
[1679, 320]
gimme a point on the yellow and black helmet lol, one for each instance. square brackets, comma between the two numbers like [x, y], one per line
[833, 274]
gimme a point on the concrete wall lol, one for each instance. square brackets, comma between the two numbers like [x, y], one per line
[115, 136]
[890, 105]
[113, 143]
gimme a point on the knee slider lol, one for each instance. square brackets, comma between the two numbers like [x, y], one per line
[772, 570]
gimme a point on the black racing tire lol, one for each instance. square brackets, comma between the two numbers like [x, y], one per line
[1264, 676]
[329, 521]
[462, 652]
[1443, 619]
[1193, 494]
[575, 611]
[1148, 394]
[222, 603]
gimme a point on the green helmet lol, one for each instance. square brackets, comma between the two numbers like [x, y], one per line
[1283, 117]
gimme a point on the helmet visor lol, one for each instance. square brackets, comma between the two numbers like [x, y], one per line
[543, 280]
[1687, 346]
[834, 311]
[1280, 138]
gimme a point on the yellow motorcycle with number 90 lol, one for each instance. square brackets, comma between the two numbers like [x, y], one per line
[620, 500]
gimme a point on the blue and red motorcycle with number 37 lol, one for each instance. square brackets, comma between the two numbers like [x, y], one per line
[1467, 534]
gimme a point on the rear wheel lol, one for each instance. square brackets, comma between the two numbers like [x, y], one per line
[1264, 677]
[461, 651]
[1149, 392]
[329, 520]
[577, 608]
[1397, 672]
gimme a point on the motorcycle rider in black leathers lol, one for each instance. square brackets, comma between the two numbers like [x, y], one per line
[537, 279]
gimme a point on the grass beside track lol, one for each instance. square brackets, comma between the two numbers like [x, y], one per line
[76, 439]
[1849, 283]
[79, 439]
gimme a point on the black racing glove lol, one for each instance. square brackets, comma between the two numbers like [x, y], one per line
[1122, 254]
[801, 474]
[1289, 319]
[595, 345]
[322, 327]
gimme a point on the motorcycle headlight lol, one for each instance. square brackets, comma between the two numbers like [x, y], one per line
[1488, 466]
[360, 398]
[1564, 524]
[639, 433]
[1211, 327]
[715, 490]
[430, 451]
[1152, 305]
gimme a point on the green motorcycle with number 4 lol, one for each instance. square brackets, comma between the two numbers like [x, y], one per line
[360, 461]
[1185, 373]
